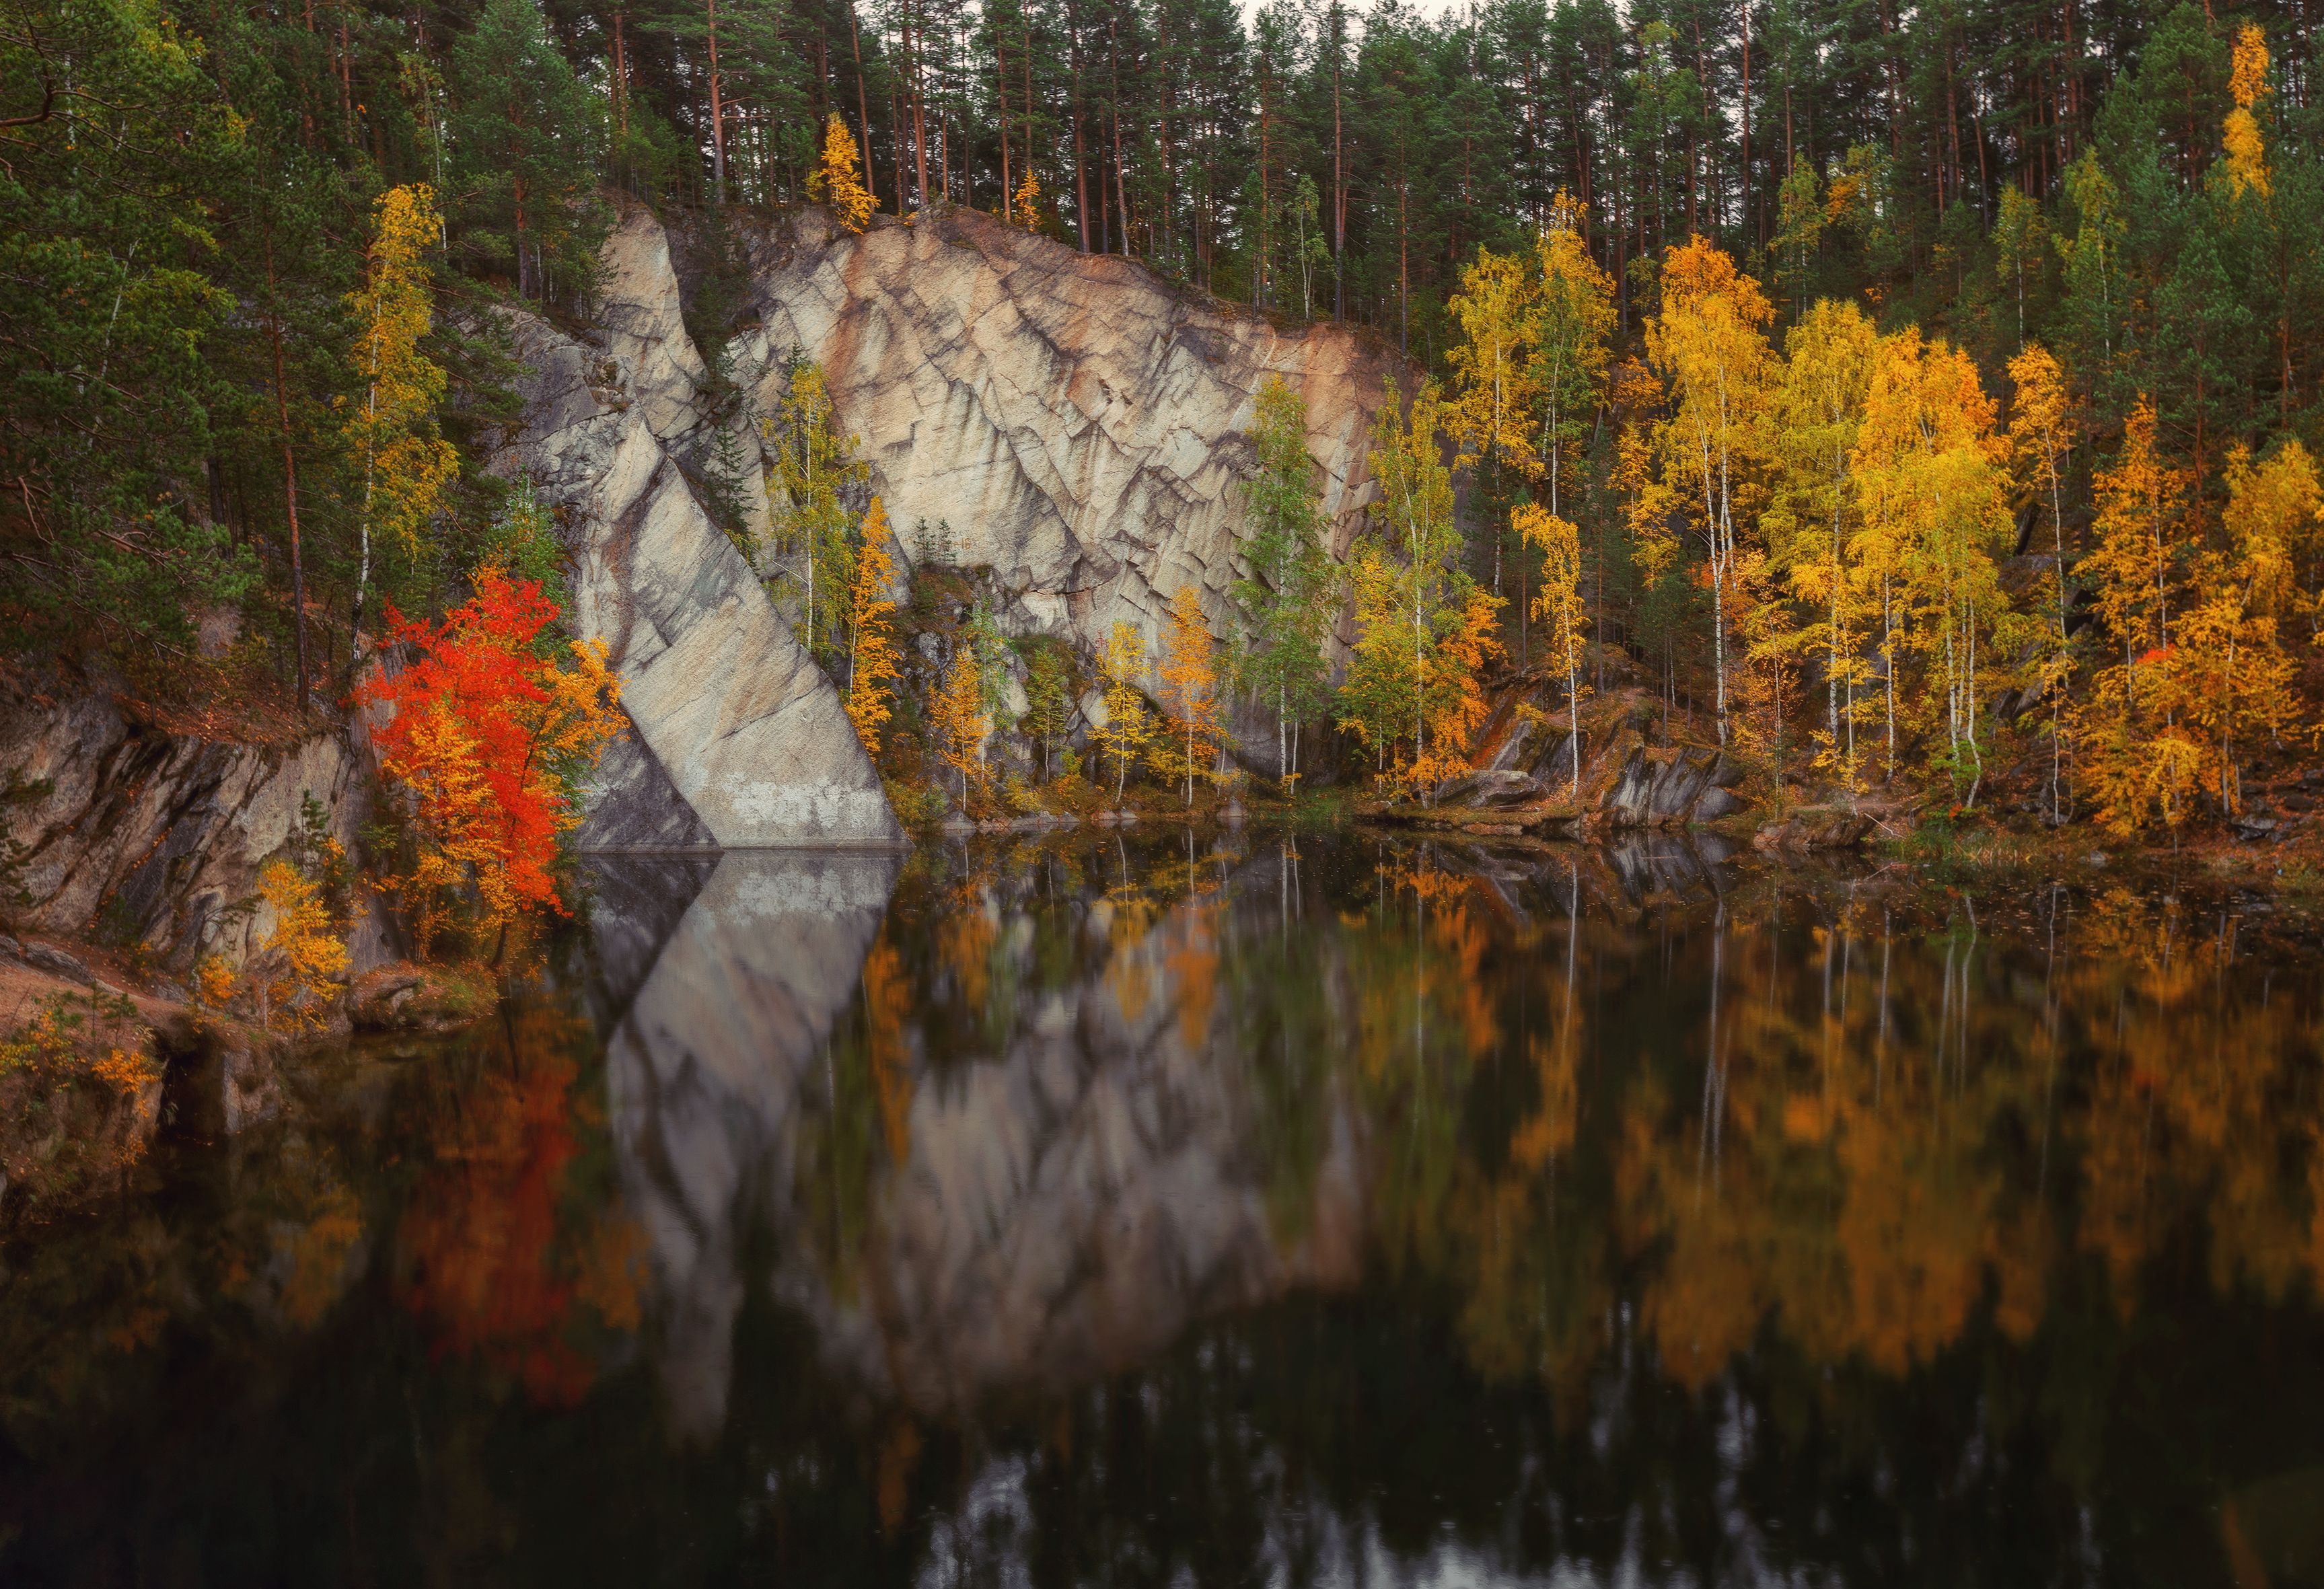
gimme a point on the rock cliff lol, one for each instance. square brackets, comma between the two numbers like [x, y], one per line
[1076, 423]
[132, 835]
[740, 739]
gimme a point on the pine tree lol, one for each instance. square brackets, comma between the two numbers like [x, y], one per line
[525, 134]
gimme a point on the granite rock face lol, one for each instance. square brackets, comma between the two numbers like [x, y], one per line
[740, 741]
[1073, 421]
[141, 836]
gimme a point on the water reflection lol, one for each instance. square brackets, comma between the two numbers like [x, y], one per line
[720, 1019]
[1122, 1209]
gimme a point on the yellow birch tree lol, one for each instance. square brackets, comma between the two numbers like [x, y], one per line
[1559, 603]
[836, 181]
[958, 717]
[1128, 725]
[1708, 343]
[1819, 403]
[2042, 433]
[406, 462]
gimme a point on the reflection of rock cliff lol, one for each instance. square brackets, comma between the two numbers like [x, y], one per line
[740, 739]
[1073, 1202]
[1066, 1206]
[713, 1046]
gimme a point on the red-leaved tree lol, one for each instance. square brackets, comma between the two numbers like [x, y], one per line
[487, 730]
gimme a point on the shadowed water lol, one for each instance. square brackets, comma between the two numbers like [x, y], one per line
[1164, 1209]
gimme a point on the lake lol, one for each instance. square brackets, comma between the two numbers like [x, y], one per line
[1155, 1208]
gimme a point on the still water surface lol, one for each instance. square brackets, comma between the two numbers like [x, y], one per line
[1167, 1210]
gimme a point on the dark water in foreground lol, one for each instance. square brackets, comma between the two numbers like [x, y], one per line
[1147, 1212]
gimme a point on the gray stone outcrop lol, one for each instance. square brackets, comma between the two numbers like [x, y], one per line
[141, 836]
[740, 739]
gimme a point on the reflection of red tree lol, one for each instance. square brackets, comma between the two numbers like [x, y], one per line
[481, 1259]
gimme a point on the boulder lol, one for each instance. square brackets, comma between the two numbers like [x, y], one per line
[1488, 788]
[1815, 827]
[418, 998]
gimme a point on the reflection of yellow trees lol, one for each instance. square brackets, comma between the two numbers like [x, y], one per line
[887, 996]
[2196, 1096]
[1880, 1143]
[1431, 1019]
[1842, 1180]
[965, 935]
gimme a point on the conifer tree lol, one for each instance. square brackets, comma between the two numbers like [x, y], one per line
[526, 135]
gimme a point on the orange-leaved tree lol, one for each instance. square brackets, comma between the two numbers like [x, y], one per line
[487, 732]
[874, 662]
[1189, 694]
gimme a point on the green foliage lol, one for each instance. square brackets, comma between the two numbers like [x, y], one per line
[1052, 687]
[525, 138]
[109, 254]
[1290, 599]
